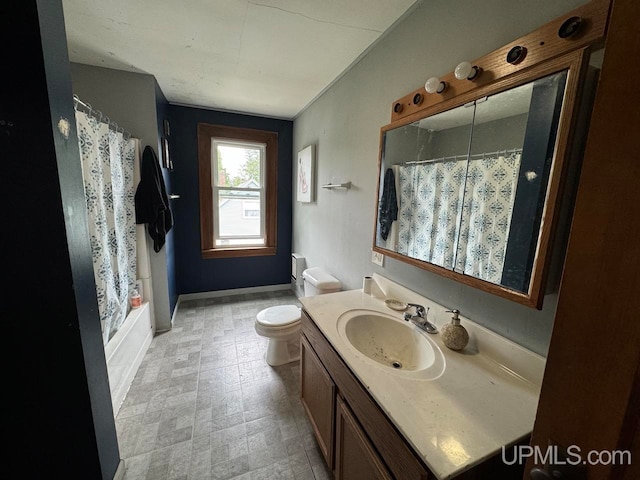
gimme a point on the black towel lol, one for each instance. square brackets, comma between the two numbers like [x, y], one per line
[152, 203]
[388, 204]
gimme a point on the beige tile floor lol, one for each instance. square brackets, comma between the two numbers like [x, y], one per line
[205, 405]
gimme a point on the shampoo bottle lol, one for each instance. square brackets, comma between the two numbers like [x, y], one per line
[136, 299]
[454, 335]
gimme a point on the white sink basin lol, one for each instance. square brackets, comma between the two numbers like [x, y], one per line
[392, 344]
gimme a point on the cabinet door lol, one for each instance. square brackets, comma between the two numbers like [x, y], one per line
[318, 393]
[356, 458]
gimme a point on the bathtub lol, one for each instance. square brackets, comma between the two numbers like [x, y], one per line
[125, 350]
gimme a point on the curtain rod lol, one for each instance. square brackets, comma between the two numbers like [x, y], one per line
[453, 157]
[97, 114]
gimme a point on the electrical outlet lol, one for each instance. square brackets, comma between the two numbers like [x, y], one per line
[377, 258]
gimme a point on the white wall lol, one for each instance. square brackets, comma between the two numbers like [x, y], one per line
[344, 123]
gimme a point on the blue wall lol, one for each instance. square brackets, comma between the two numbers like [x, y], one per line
[161, 112]
[61, 418]
[193, 273]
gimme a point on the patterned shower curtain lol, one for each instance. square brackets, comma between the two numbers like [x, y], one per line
[429, 213]
[107, 170]
[490, 193]
[452, 213]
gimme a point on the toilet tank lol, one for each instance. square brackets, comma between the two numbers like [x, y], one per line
[319, 282]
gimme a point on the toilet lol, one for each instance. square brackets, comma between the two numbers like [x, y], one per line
[281, 324]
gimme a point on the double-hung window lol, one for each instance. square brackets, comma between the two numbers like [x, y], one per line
[237, 170]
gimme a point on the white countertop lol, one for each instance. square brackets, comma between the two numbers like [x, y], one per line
[485, 398]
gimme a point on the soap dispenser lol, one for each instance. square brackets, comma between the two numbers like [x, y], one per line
[454, 335]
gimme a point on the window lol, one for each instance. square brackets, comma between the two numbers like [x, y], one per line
[238, 171]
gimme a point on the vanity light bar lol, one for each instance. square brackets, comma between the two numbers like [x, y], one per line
[577, 29]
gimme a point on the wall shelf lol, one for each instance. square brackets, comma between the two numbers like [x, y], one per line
[331, 186]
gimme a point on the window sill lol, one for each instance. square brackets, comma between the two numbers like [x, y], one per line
[231, 252]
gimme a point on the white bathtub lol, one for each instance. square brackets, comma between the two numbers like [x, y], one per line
[126, 349]
[125, 352]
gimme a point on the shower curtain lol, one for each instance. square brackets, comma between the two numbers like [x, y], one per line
[429, 214]
[490, 193]
[452, 213]
[107, 170]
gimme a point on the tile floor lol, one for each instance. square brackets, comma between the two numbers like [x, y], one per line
[205, 405]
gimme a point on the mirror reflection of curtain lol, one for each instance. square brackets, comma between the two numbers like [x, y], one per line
[430, 203]
[488, 206]
[107, 169]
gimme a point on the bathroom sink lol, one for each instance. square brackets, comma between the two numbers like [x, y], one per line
[391, 343]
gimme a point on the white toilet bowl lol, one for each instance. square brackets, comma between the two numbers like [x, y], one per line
[281, 324]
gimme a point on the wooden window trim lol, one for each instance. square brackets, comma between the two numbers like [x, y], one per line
[205, 133]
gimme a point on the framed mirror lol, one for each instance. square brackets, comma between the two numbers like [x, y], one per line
[470, 188]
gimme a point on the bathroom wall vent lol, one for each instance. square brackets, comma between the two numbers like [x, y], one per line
[298, 264]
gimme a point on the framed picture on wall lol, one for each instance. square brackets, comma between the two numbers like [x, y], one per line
[166, 159]
[305, 189]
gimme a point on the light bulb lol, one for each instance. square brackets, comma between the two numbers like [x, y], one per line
[434, 85]
[465, 70]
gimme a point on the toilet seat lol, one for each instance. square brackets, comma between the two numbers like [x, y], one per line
[278, 316]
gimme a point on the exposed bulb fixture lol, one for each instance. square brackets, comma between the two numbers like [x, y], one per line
[570, 27]
[465, 70]
[435, 85]
[516, 54]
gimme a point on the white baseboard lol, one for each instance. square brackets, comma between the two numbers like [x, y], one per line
[234, 291]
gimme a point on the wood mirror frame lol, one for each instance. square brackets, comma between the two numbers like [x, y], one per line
[547, 53]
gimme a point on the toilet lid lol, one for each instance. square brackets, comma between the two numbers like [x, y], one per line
[279, 316]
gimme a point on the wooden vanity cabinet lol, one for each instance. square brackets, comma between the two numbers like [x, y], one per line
[355, 436]
[318, 393]
[355, 456]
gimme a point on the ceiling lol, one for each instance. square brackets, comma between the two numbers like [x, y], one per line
[264, 57]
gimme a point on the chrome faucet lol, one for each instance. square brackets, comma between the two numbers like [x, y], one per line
[420, 318]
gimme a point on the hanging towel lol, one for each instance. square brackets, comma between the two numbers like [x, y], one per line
[152, 203]
[388, 204]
